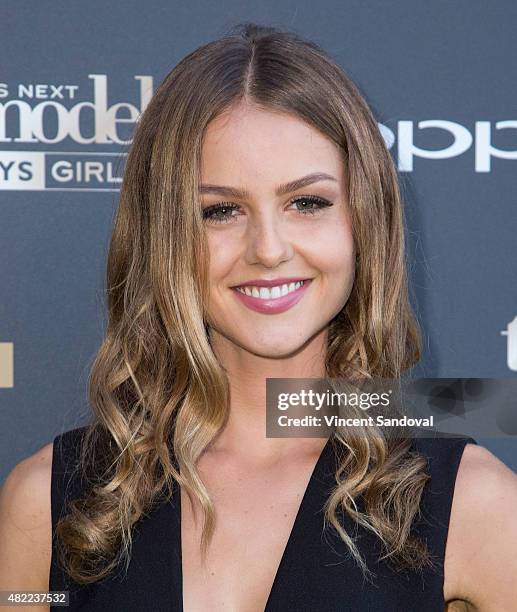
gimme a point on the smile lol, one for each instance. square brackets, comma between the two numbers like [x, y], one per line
[272, 300]
[270, 293]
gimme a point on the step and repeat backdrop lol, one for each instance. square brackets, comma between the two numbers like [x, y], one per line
[74, 78]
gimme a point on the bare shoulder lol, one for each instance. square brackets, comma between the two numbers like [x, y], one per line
[26, 524]
[481, 553]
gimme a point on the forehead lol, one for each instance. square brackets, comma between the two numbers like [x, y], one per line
[247, 143]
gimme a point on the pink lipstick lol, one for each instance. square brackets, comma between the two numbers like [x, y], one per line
[272, 305]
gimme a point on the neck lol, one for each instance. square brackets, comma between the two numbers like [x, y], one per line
[245, 431]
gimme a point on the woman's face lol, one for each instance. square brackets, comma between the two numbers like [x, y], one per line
[261, 230]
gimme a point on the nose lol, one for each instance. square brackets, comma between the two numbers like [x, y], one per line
[268, 242]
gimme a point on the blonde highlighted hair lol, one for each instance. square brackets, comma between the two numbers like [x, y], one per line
[156, 385]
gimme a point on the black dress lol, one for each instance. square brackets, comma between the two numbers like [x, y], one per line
[316, 573]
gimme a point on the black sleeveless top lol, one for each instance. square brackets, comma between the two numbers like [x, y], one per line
[316, 572]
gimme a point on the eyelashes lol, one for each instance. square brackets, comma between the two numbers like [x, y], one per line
[221, 213]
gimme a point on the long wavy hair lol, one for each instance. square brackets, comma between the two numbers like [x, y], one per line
[158, 394]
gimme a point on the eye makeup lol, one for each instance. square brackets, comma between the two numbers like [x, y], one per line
[218, 213]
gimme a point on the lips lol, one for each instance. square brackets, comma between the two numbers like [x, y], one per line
[272, 297]
[263, 282]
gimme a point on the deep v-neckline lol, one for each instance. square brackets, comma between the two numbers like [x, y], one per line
[287, 556]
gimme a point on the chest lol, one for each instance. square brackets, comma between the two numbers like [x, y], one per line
[267, 530]
[255, 515]
[270, 552]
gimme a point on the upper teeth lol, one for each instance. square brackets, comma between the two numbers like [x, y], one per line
[270, 293]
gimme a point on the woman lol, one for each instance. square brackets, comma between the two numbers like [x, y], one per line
[257, 164]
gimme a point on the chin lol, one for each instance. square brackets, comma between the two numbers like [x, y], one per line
[276, 348]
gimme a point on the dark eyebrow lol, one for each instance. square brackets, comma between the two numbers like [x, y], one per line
[243, 194]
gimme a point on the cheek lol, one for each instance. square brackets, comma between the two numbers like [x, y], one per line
[331, 245]
[223, 248]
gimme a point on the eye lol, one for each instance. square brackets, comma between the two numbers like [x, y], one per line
[222, 212]
[312, 204]
[219, 213]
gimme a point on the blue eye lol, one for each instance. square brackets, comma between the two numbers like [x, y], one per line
[314, 201]
[218, 212]
[222, 212]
